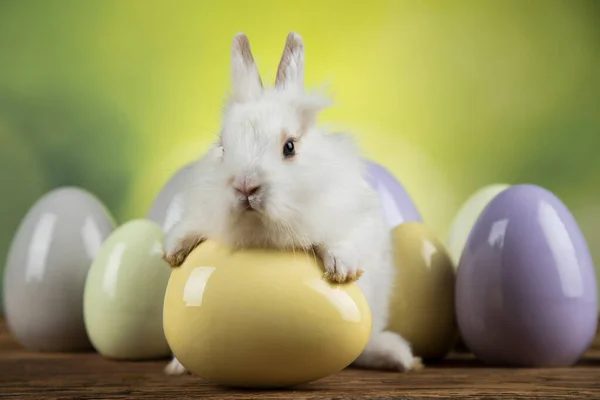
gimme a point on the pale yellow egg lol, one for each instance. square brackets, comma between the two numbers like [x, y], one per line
[260, 318]
[422, 302]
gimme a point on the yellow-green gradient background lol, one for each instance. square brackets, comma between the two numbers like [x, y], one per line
[115, 96]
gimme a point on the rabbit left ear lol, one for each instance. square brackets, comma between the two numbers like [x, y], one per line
[290, 73]
[246, 81]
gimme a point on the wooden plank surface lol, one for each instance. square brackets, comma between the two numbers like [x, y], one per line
[27, 375]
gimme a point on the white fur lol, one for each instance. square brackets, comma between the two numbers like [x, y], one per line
[317, 200]
[175, 368]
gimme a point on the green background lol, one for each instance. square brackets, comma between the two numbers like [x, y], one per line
[115, 96]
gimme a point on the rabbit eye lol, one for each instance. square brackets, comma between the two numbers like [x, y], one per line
[289, 150]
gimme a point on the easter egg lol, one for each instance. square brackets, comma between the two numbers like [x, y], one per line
[16, 155]
[463, 224]
[397, 204]
[422, 302]
[47, 265]
[262, 318]
[168, 205]
[526, 288]
[466, 217]
[124, 294]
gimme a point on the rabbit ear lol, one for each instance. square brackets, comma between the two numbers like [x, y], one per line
[290, 72]
[246, 81]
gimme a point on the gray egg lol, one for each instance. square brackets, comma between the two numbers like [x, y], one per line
[168, 205]
[47, 265]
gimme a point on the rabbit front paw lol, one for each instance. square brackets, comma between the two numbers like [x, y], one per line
[337, 268]
[177, 252]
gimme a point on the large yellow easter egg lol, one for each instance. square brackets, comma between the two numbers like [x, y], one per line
[261, 318]
[422, 303]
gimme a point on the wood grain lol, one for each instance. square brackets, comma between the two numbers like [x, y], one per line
[27, 375]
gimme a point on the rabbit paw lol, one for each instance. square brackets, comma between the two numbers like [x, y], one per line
[176, 253]
[337, 270]
[175, 368]
[389, 351]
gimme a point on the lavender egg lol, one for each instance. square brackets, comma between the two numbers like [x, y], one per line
[526, 287]
[397, 204]
[167, 208]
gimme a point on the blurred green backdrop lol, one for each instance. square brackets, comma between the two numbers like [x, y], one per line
[115, 96]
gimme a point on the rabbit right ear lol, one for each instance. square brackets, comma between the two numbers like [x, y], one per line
[290, 73]
[246, 81]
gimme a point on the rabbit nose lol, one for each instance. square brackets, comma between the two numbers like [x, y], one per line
[246, 187]
[247, 190]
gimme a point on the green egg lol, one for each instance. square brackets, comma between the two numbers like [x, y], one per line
[124, 294]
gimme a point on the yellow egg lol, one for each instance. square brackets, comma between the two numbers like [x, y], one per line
[422, 303]
[259, 318]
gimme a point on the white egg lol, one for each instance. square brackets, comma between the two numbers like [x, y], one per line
[47, 266]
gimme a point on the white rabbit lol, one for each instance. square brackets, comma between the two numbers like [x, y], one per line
[275, 179]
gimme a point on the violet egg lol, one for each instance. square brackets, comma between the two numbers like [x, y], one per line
[526, 286]
[168, 205]
[467, 216]
[47, 266]
[397, 204]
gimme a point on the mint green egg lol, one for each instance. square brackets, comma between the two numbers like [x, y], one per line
[124, 294]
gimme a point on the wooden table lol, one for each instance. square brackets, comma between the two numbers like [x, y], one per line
[26, 375]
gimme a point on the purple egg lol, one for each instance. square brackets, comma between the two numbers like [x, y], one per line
[167, 208]
[397, 203]
[526, 287]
